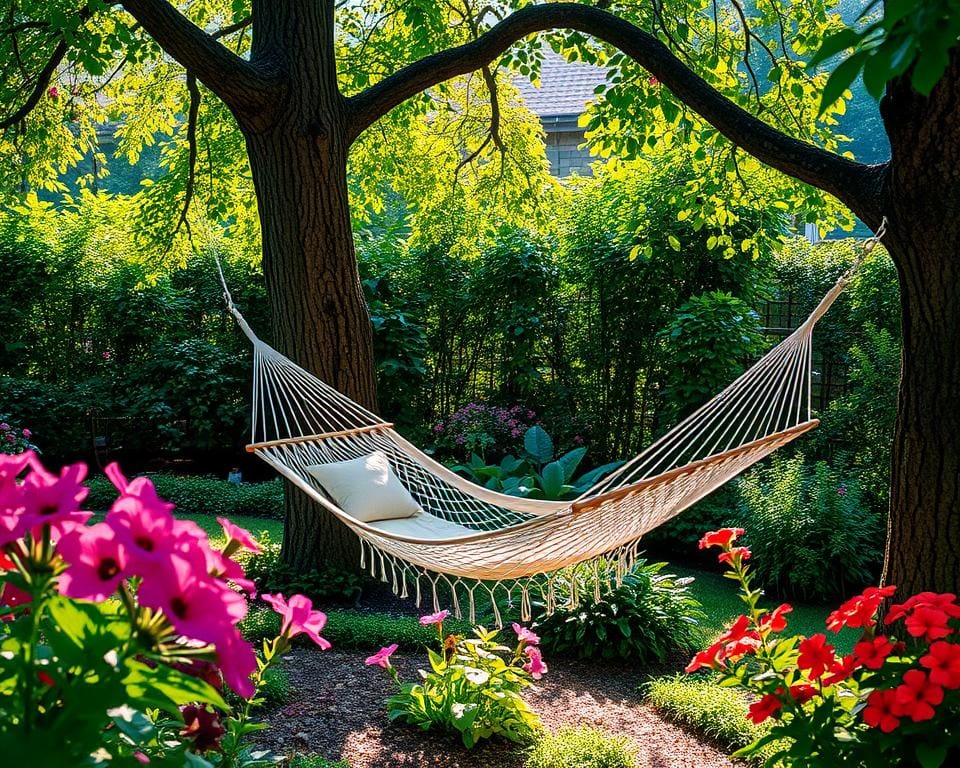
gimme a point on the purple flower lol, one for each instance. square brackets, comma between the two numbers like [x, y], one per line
[438, 428]
[841, 491]
[27, 434]
[531, 415]
[106, 355]
[4, 427]
[460, 440]
[11, 438]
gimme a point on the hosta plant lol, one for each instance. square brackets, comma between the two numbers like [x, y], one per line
[893, 701]
[118, 636]
[473, 686]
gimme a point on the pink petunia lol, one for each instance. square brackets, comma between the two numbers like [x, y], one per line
[299, 617]
[382, 657]
[434, 618]
[237, 661]
[96, 561]
[526, 636]
[27, 434]
[535, 665]
[53, 500]
[238, 535]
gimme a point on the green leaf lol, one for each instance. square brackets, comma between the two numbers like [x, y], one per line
[841, 79]
[552, 480]
[538, 444]
[570, 461]
[930, 756]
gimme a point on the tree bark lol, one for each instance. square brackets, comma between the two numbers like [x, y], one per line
[923, 207]
[299, 167]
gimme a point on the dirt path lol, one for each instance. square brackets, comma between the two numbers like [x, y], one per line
[336, 710]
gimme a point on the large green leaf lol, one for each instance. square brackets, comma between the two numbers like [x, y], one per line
[538, 444]
[570, 461]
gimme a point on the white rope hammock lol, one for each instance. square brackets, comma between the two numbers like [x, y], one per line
[472, 540]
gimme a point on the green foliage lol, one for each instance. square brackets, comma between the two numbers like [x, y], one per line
[581, 748]
[274, 686]
[322, 585]
[678, 538]
[810, 533]
[710, 337]
[701, 704]
[473, 688]
[907, 37]
[483, 430]
[316, 761]
[650, 617]
[202, 495]
[537, 474]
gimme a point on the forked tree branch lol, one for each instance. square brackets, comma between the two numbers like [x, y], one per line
[243, 87]
[853, 183]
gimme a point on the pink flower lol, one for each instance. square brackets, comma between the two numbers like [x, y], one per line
[106, 354]
[238, 535]
[434, 618]
[27, 434]
[141, 758]
[96, 561]
[535, 665]
[11, 438]
[525, 636]
[382, 657]
[841, 491]
[54, 500]
[52, 92]
[197, 606]
[299, 617]
[146, 531]
[237, 661]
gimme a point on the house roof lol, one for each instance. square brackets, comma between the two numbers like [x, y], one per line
[565, 87]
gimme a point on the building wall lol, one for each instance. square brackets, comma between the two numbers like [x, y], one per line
[564, 154]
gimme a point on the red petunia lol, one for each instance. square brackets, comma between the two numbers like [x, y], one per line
[765, 707]
[841, 670]
[710, 658]
[723, 538]
[816, 655]
[737, 554]
[945, 602]
[943, 661]
[929, 623]
[775, 621]
[917, 696]
[859, 611]
[803, 692]
[872, 653]
[882, 711]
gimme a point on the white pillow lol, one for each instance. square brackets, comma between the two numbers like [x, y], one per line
[366, 488]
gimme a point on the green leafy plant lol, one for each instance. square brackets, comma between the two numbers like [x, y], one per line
[650, 616]
[537, 474]
[14, 439]
[316, 761]
[582, 748]
[813, 537]
[473, 686]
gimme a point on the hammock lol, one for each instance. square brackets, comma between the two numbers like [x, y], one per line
[471, 540]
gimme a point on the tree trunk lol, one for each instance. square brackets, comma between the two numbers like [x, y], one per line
[923, 208]
[319, 314]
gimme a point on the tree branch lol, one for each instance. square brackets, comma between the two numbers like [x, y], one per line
[242, 86]
[193, 116]
[43, 79]
[851, 182]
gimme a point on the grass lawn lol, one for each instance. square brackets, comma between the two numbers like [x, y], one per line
[722, 604]
[256, 525]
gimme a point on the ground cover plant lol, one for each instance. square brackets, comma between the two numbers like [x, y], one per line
[582, 748]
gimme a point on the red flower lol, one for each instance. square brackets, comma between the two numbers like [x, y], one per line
[775, 621]
[918, 696]
[928, 623]
[859, 611]
[722, 538]
[736, 631]
[841, 670]
[882, 711]
[802, 693]
[203, 726]
[945, 602]
[816, 655]
[709, 657]
[943, 661]
[766, 707]
[737, 554]
[872, 653]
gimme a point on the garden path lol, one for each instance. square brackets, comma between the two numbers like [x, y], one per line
[336, 709]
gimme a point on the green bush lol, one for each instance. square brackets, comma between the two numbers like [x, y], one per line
[582, 748]
[810, 535]
[322, 585]
[260, 623]
[650, 617]
[275, 688]
[704, 706]
[202, 495]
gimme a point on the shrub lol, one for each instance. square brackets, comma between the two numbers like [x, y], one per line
[275, 685]
[812, 536]
[322, 585]
[582, 748]
[203, 495]
[479, 428]
[14, 439]
[707, 708]
[473, 685]
[650, 616]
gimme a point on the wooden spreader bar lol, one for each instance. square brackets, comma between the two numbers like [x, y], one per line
[253, 447]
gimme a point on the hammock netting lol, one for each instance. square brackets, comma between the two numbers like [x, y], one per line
[471, 541]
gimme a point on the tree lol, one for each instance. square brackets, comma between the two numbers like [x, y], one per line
[304, 95]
